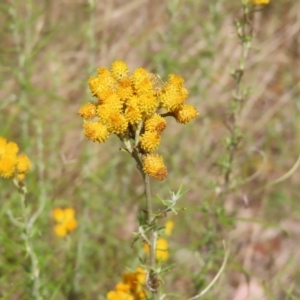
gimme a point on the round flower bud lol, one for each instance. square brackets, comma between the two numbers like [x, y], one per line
[95, 131]
[260, 2]
[119, 70]
[124, 89]
[150, 140]
[3, 143]
[11, 148]
[144, 87]
[162, 247]
[7, 165]
[172, 96]
[23, 163]
[147, 104]
[155, 123]
[185, 113]
[116, 123]
[133, 114]
[138, 76]
[87, 111]
[176, 79]
[153, 165]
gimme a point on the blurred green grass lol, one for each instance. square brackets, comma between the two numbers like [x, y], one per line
[49, 50]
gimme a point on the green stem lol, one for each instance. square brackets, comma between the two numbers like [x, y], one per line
[244, 32]
[152, 239]
[28, 244]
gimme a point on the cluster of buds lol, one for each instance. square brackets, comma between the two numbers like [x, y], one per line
[260, 2]
[66, 221]
[130, 288]
[12, 164]
[162, 245]
[135, 107]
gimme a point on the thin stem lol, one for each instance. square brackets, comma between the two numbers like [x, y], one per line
[152, 281]
[244, 32]
[28, 244]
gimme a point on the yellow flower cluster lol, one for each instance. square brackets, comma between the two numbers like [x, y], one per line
[134, 107]
[130, 288]
[12, 164]
[162, 245]
[169, 226]
[162, 249]
[260, 2]
[65, 217]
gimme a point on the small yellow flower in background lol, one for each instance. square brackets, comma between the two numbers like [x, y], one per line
[134, 107]
[162, 249]
[131, 288]
[169, 226]
[65, 217]
[12, 164]
[260, 2]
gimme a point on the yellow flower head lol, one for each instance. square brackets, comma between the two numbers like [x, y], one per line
[101, 85]
[12, 164]
[8, 165]
[131, 287]
[95, 85]
[113, 101]
[124, 287]
[150, 140]
[155, 123]
[135, 279]
[172, 96]
[104, 111]
[58, 214]
[147, 104]
[23, 163]
[116, 123]
[260, 2]
[106, 79]
[185, 113]
[119, 70]
[11, 148]
[138, 76]
[87, 111]
[124, 89]
[3, 143]
[95, 131]
[141, 275]
[162, 249]
[153, 165]
[119, 295]
[133, 114]
[169, 226]
[65, 217]
[176, 79]
[144, 87]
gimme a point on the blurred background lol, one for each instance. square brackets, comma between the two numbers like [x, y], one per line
[49, 49]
